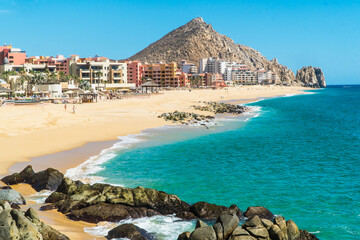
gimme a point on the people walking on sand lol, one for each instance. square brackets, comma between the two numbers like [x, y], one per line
[74, 109]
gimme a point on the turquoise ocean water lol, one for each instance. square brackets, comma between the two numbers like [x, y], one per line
[298, 156]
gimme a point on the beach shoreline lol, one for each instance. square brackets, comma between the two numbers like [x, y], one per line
[139, 114]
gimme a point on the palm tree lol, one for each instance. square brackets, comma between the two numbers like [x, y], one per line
[63, 77]
[98, 75]
[53, 77]
[85, 85]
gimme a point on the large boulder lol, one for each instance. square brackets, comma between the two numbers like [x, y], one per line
[129, 231]
[48, 179]
[12, 196]
[305, 235]
[110, 212]
[203, 233]
[256, 228]
[184, 236]
[14, 224]
[292, 230]
[229, 223]
[212, 211]
[21, 177]
[259, 211]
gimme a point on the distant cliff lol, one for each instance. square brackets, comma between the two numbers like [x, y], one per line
[311, 77]
[197, 39]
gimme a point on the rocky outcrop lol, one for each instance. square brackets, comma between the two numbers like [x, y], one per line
[10, 195]
[227, 228]
[185, 117]
[311, 77]
[103, 202]
[219, 108]
[48, 179]
[258, 211]
[197, 40]
[129, 231]
[15, 224]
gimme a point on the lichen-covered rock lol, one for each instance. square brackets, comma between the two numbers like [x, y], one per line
[129, 231]
[280, 221]
[256, 228]
[259, 211]
[229, 223]
[292, 230]
[276, 233]
[203, 233]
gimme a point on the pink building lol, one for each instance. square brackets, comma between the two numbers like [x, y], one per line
[134, 73]
[12, 56]
[60, 62]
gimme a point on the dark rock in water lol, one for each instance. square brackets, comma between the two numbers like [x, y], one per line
[259, 211]
[129, 231]
[212, 211]
[48, 179]
[305, 235]
[184, 236]
[186, 215]
[110, 212]
[12, 196]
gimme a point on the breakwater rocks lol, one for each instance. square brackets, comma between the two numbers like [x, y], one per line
[220, 108]
[15, 224]
[185, 117]
[103, 202]
[227, 227]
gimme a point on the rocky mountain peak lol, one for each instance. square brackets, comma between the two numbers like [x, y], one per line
[197, 39]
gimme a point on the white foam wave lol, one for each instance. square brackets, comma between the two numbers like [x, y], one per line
[162, 227]
[316, 232]
[85, 171]
[40, 197]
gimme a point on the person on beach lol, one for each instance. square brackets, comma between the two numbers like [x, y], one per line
[65, 107]
[74, 109]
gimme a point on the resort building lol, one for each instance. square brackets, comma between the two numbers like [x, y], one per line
[11, 56]
[165, 75]
[100, 72]
[60, 62]
[214, 80]
[197, 79]
[188, 67]
[134, 71]
[241, 77]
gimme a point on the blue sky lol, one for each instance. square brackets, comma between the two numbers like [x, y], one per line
[298, 33]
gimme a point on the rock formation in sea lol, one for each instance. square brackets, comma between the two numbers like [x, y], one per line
[311, 77]
[197, 40]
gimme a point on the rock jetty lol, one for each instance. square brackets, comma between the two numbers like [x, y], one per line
[15, 224]
[220, 108]
[227, 227]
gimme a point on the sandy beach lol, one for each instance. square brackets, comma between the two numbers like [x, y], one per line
[28, 132]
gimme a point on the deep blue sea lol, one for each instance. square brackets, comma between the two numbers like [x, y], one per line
[298, 156]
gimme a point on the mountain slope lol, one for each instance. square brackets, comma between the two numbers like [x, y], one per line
[197, 39]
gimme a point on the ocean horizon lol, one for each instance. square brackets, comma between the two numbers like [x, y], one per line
[295, 155]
